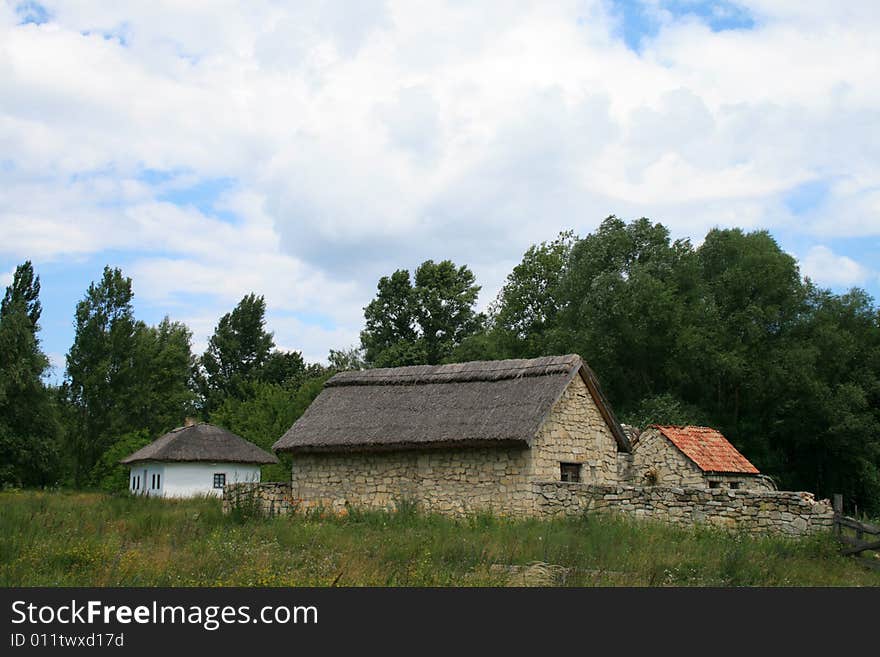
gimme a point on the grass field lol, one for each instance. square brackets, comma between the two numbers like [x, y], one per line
[86, 539]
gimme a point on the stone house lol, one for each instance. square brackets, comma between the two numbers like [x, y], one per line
[531, 437]
[454, 438]
[691, 457]
[193, 460]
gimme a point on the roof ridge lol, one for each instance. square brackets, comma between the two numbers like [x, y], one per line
[480, 370]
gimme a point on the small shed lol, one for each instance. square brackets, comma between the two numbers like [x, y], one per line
[692, 456]
[193, 460]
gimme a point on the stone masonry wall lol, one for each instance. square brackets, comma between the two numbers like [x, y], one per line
[654, 453]
[755, 512]
[750, 511]
[269, 498]
[445, 481]
[575, 432]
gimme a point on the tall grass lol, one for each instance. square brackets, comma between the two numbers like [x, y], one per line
[86, 539]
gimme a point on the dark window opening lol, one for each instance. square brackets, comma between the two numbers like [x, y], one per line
[734, 485]
[570, 472]
[714, 484]
[219, 480]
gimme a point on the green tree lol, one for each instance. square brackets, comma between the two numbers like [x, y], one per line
[24, 294]
[285, 368]
[627, 294]
[409, 324]
[29, 429]
[265, 414]
[391, 323]
[107, 474]
[342, 360]
[163, 358]
[525, 313]
[237, 352]
[741, 357]
[823, 410]
[99, 371]
[122, 375]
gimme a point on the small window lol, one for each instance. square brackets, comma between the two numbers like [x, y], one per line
[158, 481]
[714, 484]
[153, 480]
[734, 485]
[219, 479]
[570, 472]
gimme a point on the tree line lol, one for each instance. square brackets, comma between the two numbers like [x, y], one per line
[726, 334]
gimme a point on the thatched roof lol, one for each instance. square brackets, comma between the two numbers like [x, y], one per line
[201, 442]
[481, 403]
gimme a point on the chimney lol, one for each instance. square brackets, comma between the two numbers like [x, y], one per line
[190, 421]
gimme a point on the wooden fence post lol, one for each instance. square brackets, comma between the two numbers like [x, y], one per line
[837, 505]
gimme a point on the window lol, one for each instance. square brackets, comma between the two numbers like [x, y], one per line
[153, 480]
[219, 479]
[734, 485]
[158, 481]
[570, 472]
[714, 484]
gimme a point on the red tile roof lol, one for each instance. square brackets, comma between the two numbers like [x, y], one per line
[708, 449]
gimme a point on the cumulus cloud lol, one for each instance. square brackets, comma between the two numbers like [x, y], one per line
[827, 268]
[360, 140]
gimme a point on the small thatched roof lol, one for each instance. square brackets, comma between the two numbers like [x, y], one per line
[201, 442]
[481, 403]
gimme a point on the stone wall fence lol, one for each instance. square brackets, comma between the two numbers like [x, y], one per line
[751, 511]
[268, 498]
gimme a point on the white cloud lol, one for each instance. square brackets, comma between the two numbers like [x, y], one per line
[6, 278]
[360, 141]
[827, 268]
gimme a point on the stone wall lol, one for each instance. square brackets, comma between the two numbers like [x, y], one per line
[445, 481]
[751, 511]
[268, 498]
[653, 453]
[575, 432]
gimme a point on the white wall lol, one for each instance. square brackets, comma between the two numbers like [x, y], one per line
[146, 472]
[191, 479]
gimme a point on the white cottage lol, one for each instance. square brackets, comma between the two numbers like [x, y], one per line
[196, 459]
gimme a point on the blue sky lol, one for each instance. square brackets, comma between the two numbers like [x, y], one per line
[639, 21]
[302, 150]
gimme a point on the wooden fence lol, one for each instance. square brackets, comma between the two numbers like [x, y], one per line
[857, 537]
